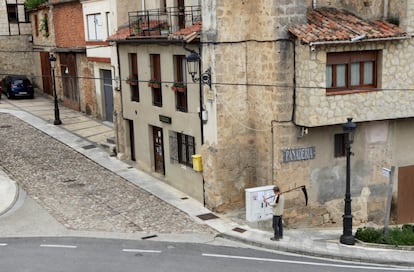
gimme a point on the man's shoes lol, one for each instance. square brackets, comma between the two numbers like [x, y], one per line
[274, 239]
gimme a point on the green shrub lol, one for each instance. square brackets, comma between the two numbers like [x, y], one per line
[31, 4]
[398, 236]
[369, 235]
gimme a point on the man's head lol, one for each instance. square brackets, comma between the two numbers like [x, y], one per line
[276, 189]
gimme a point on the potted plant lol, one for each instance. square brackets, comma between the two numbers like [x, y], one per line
[154, 83]
[179, 87]
[132, 79]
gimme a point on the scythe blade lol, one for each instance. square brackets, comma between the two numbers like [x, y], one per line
[305, 193]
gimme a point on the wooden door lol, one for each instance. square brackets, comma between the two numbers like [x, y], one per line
[158, 150]
[46, 73]
[71, 96]
[405, 203]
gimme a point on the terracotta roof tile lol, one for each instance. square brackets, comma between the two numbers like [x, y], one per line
[121, 34]
[329, 24]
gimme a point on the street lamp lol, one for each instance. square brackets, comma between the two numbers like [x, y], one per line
[194, 67]
[52, 60]
[347, 238]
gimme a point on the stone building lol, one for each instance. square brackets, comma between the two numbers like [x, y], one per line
[15, 39]
[278, 81]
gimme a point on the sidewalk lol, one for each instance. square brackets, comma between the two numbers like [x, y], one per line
[79, 130]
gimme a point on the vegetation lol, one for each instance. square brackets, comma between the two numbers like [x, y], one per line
[398, 236]
[31, 4]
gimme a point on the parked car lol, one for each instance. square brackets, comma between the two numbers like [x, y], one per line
[17, 86]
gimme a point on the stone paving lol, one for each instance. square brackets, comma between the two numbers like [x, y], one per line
[79, 193]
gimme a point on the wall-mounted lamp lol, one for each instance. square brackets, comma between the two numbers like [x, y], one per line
[66, 68]
[194, 67]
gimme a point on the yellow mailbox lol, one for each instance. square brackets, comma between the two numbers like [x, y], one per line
[197, 165]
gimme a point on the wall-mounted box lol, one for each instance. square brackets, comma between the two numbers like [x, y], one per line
[256, 208]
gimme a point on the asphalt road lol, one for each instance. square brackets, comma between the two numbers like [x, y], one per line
[89, 254]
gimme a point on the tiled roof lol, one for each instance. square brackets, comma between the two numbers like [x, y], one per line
[124, 33]
[332, 25]
[121, 34]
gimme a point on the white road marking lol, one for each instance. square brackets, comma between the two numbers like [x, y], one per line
[3, 244]
[378, 267]
[58, 246]
[141, 250]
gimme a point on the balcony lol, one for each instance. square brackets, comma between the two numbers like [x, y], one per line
[162, 22]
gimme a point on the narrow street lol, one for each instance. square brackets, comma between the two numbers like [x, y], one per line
[77, 192]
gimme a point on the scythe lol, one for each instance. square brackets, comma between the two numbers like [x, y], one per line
[303, 187]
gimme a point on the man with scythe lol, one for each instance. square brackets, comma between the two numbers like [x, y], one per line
[277, 203]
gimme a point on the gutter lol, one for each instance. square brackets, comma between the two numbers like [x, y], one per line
[362, 40]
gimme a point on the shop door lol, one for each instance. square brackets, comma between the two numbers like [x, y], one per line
[158, 150]
[405, 203]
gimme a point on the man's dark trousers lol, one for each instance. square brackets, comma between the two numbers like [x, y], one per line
[277, 226]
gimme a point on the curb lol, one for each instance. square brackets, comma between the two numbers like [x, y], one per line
[8, 188]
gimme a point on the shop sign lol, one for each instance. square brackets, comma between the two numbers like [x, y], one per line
[298, 154]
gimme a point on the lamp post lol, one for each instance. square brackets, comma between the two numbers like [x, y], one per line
[52, 60]
[347, 238]
[194, 68]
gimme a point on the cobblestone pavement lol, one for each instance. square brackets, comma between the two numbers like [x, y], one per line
[79, 193]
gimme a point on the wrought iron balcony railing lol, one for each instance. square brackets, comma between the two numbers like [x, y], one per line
[161, 22]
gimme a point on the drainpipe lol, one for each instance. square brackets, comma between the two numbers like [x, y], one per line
[143, 5]
[273, 152]
[385, 9]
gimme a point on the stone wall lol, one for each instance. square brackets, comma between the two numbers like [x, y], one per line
[16, 56]
[252, 60]
[393, 100]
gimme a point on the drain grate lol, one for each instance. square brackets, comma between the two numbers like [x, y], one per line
[89, 146]
[237, 229]
[5, 126]
[149, 237]
[184, 198]
[207, 216]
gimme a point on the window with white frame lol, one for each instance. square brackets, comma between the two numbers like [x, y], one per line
[95, 27]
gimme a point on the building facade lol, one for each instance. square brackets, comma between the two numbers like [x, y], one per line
[279, 99]
[158, 106]
[15, 39]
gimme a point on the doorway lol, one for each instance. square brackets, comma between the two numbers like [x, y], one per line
[46, 73]
[405, 212]
[157, 136]
[108, 95]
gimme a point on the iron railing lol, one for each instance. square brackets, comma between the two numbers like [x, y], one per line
[161, 22]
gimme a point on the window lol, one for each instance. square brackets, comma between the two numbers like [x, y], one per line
[133, 77]
[12, 13]
[339, 145]
[180, 83]
[351, 70]
[156, 85]
[36, 25]
[182, 148]
[95, 29]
